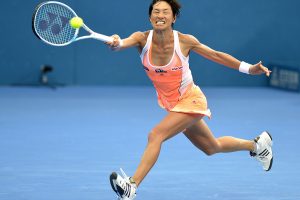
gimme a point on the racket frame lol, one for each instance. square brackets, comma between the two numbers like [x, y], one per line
[93, 35]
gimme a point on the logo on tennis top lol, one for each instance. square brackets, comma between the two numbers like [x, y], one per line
[160, 71]
[177, 68]
[54, 24]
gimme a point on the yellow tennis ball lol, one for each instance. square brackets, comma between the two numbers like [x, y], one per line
[76, 22]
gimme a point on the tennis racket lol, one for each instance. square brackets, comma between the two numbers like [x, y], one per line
[50, 23]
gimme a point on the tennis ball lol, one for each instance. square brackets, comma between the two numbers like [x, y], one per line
[76, 22]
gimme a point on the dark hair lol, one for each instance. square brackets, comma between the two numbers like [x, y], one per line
[175, 5]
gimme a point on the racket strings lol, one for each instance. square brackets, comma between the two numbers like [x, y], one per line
[52, 24]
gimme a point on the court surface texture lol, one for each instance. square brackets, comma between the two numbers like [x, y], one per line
[63, 144]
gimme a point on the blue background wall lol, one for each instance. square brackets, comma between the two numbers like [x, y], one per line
[254, 30]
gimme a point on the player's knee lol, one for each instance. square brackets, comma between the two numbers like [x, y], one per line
[155, 136]
[212, 150]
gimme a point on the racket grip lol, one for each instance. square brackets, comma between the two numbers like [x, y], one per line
[101, 37]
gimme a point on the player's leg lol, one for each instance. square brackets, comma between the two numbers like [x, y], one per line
[202, 137]
[261, 148]
[171, 125]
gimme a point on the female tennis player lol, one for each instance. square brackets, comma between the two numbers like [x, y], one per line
[164, 53]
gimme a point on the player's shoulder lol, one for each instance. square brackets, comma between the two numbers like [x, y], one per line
[140, 35]
[187, 38]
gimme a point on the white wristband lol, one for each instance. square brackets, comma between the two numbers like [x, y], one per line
[244, 67]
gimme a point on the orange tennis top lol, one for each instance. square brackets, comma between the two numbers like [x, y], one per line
[172, 80]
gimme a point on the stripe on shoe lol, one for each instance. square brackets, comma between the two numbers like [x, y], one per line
[264, 152]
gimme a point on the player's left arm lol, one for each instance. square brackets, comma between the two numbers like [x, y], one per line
[223, 58]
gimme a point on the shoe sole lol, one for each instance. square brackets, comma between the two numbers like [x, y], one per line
[271, 163]
[269, 135]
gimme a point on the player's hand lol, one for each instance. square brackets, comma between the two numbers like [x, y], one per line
[259, 69]
[115, 44]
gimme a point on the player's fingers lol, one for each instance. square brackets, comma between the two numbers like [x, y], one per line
[113, 42]
[268, 72]
[110, 42]
[265, 70]
[116, 40]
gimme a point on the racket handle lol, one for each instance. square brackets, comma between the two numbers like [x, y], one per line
[97, 36]
[102, 37]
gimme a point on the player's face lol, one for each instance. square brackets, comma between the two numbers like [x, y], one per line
[162, 16]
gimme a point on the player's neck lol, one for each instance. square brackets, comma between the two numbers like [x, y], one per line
[163, 36]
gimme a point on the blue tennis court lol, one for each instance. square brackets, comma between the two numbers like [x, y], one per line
[62, 144]
[71, 115]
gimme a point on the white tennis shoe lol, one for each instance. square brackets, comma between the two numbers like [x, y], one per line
[124, 187]
[263, 151]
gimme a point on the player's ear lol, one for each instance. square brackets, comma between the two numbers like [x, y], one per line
[174, 20]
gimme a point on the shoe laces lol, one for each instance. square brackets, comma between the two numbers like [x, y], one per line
[127, 178]
[127, 185]
[262, 155]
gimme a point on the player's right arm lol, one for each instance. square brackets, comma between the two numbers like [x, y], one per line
[136, 39]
